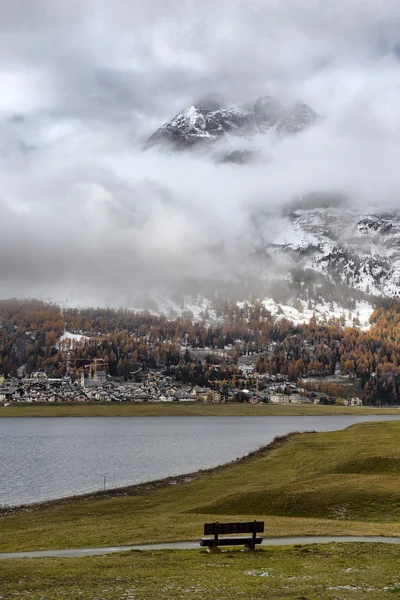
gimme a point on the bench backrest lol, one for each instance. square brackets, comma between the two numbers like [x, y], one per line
[230, 528]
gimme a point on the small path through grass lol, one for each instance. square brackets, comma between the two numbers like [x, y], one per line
[192, 545]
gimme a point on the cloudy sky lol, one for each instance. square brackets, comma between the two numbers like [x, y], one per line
[87, 215]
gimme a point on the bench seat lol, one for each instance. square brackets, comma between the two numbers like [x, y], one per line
[230, 541]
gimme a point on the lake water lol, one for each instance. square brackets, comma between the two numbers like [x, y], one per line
[46, 458]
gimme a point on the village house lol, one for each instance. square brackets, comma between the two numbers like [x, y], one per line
[164, 398]
[295, 398]
[279, 399]
[246, 369]
[216, 396]
[183, 396]
[9, 394]
[39, 376]
[356, 401]
[255, 400]
[56, 398]
[80, 398]
[200, 394]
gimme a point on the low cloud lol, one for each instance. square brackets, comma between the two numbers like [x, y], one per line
[87, 215]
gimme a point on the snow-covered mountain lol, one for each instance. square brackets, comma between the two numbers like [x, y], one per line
[359, 249]
[348, 244]
[206, 124]
[341, 250]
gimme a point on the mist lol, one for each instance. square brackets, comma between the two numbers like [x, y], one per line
[87, 215]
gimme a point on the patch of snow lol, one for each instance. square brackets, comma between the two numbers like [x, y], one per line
[351, 588]
[322, 311]
[76, 337]
[198, 308]
[260, 573]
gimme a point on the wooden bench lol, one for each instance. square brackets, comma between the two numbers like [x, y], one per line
[216, 529]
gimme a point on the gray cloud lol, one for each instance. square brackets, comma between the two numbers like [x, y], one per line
[84, 212]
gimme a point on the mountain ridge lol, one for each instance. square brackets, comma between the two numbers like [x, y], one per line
[205, 124]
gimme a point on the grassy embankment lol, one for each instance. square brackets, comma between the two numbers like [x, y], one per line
[182, 409]
[338, 483]
[331, 572]
[344, 482]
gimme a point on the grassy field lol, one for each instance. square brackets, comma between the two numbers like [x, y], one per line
[337, 483]
[330, 571]
[182, 409]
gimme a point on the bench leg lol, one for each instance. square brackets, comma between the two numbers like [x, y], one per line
[253, 541]
[216, 535]
[248, 547]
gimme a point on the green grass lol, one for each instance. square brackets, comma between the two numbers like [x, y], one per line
[337, 483]
[183, 409]
[329, 571]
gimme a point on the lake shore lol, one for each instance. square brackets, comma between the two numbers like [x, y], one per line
[195, 409]
[335, 483]
[147, 486]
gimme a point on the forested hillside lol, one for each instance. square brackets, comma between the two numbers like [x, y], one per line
[31, 335]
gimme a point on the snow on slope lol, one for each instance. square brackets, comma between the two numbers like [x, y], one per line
[76, 337]
[360, 250]
[322, 311]
[199, 309]
[204, 123]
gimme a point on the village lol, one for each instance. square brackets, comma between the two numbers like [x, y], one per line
[148, 385]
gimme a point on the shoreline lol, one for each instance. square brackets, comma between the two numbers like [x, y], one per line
[194, 409]
[294, 484]
[156, 484]
[134, 489]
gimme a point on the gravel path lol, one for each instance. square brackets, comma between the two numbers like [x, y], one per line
[193, 545]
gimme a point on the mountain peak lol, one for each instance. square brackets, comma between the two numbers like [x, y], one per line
[208, 122]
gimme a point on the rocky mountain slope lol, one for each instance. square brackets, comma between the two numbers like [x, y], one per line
[206, 124]
[359, 249]
[352, 245]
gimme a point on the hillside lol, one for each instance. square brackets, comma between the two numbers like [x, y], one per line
[32, 338]
[338, 483]
[351, 246]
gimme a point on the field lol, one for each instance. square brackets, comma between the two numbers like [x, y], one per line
[344, 483]
[182, 409]
[331, 571]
